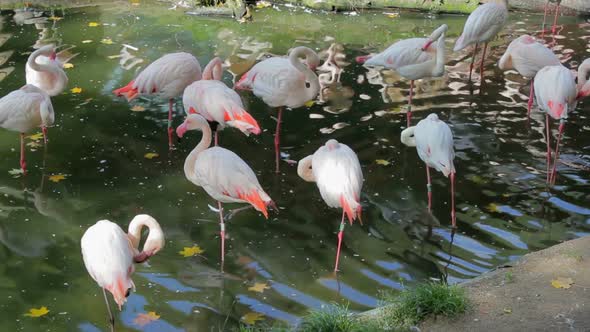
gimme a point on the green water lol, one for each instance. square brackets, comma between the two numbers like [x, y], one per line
[504, 208]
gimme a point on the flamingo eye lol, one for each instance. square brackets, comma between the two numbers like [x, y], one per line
[307, 85]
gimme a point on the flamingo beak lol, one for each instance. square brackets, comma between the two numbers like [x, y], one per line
[427, 44]
[53, 56]
[181, 130]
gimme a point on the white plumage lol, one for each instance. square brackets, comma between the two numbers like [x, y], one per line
[45, 71]
[527, 56]
[555, 91]
[25, 109]
[483, 24]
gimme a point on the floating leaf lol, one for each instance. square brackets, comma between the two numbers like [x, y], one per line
[57, 177]
[76, 90]
[151, 155]
[191, 251]
[16, 172]
[382, 162]
[34, 144]
[252, 317]
[492, 207]
[309, 103]
[33, 312]
[68, 65]
[36, 137]
[138, 108]
[259, 287]
[143, 319]
[54, 18]
[107, 41]
[561, 282]
[507, 310]
[262, 4]
[92, 24]
[87, 41]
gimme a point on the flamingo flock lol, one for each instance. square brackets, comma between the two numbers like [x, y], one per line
[210, 105]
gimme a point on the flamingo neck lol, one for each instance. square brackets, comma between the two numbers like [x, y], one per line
[439, 67]
[213, 70]
[583, 83]
[33, 64]
[308, 74]
[155, 239]
[407, 136]
[204, 144]
[304, 169]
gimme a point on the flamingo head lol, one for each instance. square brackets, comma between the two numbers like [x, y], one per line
[427, 44]
[193, 121]
[53, 55]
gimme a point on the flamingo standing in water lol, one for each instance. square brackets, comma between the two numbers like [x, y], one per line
[283, 82]
[527, 56]
[482, 25]
[554, 26]
[433, 140]
[167, 77]
[224, 176]
[109, 255]
[336, 170]
[45, 71]
[413, 59]
[218, 104]
[24, 110]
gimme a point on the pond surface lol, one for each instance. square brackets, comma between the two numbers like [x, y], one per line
[99, 142]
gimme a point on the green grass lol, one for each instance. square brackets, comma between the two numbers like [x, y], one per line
[336, 318]
[509, 277]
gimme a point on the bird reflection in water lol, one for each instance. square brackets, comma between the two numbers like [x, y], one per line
[332, 91]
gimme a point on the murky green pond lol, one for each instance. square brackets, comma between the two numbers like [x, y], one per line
[504, 207]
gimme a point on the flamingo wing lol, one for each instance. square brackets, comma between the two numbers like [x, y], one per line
[402, 53]
[482, 25]
[434, 142]
[274, 80]
[555, 91]
[169, 75]
[20, 110]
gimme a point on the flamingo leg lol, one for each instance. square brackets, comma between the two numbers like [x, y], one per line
[221, 231]
[216, 138]
[44, 130]
[472, 61]
[531, 98]
[409, 114]
[111, 318]
[170, 129]
[554, 171]
[429, 188]
[340, 235]
[23, 164]
[554, 27]
[453, 215]
[548, 145]
[483, 57]
[544, 18]
[278, 140]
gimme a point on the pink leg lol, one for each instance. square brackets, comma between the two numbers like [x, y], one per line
[44, 130]
[23, 164]
[340, 235]
[531, 98]
[483, 57]
[170, 129]
[216, 138]
[222, 231]
[278, 140]
[554, 171]
[544, 19]
[472, 61]
[453, 215]
[429, 188]
[548, 146]
[554, 27]
[409, 114]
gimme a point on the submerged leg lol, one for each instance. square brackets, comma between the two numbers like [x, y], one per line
[544, 18]
[216, 138]
[531, 98]
[340, 235]
[170, 129]
[554, 27]
[44, 130]
[221, 231]
[548, 146]
[409, 114]
[111, 318]
[429, 188]
[483, 57]
[472, 61]
[278, 140]
[23, 164]
[554, 171]
[453, 216]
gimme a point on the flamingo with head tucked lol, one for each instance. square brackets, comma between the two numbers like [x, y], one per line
[336, 170]
[414, 59]
[221, 173]
[218, 104]
[24, 110]
[167, 77]
[482, 25]
[109, 255]
[527, 56]
[284, 82]
[433, 140]
[45, 71]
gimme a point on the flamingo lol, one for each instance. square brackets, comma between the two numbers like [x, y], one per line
[433, 140]
[482, 25]
[527, 56]
[167, 77]
[553, 27]
[45, 71]
[221, 173]
[24, 110]
[109, 255]
[218, 104]
[283, 82]
[336, 170]
[413, 59]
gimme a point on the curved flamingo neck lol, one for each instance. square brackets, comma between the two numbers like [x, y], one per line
[309, 74]
[204, 144]
[439, 67]
[583, 83]
[32, 61]
[213, 70]
[137, 224]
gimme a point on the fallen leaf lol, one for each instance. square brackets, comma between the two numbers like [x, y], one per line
[37, 312]
[382, 162]
[191, 251]
[309, 103]
[259, 287]
[561, 282]
[138, 108]
[57, 177]
[76, 90]
[143, 319]
[36, 137]
[114, 56]
[492, 207]
[54, 18]
[262, 4]
[34, 144]
[252, 317]
[107, 41]
[87, 41]
[92, 24]
[16, 172]
[151, 155]
[68, 65]
[507, 310]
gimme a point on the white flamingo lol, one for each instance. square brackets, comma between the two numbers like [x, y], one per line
[413, 59]
[217, 103]
[336, 170]
[283, 82]
[45, 71]
[167, 77]
[482, 25]
[109, 254]
[433, 140]
[221, 173]
[24, 110]
[527, 56]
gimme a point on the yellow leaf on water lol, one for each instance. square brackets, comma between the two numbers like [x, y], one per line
[492, 207]
[143, 319]
[151, 155]
[262, 4]
[259, 287]
[309, 103]
[87, 41]
[68, 65]
[382, 162]
[252, 317]
[92, 24]
[138, 108]
[76, 90]
[561, 282]
[34, 144]
[33, 312]
[507, 310]
[36, 137]
[54, 18]
[57, 177]
[107, 41]
[191, 251]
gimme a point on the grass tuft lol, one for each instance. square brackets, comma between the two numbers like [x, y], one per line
[336, 318]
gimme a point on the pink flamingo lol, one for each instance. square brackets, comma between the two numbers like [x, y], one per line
[482, 25]
[336, 170]
[45, 71]
[167, 77]
[109, 255]
[413, 59]
[527, 56]
[554, 26]
[433, 140]
[24, 110]
[218, 104]
[224, 176]
[283, 82]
